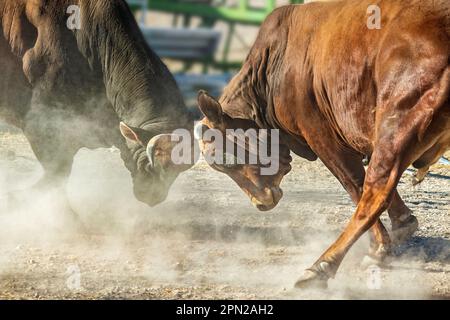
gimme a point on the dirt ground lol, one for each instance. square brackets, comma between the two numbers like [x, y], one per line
[206, 241]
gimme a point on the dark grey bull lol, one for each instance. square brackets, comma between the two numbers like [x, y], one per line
[88, 87]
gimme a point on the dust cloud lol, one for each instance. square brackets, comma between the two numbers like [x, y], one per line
[205, 241]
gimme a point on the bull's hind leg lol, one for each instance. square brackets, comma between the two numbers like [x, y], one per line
[419, 176]
[404, 224]
[430, 157]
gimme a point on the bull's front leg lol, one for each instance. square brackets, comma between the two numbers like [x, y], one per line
[54, 147]
[379, 187]
[347, 167]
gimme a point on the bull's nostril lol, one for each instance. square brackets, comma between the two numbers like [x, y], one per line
[267, 198]
[277, 194]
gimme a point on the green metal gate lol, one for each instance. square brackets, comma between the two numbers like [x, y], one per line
[210, 11]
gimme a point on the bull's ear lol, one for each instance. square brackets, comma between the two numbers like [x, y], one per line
[210, 108]
[135, 134]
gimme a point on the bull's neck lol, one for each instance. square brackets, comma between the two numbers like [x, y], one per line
[248, 97]
[140, 87]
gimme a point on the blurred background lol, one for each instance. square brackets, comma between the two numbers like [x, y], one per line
[203, 42]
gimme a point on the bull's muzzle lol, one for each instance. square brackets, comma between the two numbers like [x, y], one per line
[268, 199]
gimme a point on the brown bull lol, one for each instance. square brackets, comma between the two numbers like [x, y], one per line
[341, 91]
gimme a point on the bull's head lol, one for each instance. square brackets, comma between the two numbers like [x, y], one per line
[263, 190]
[153, 170]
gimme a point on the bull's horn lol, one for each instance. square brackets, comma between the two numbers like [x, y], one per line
[165, 144]
[151, 149]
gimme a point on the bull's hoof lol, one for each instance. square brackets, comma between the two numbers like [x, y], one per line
[369, 261]
[312, 280]
[403, 231]
[380, 253]
[376, 257]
